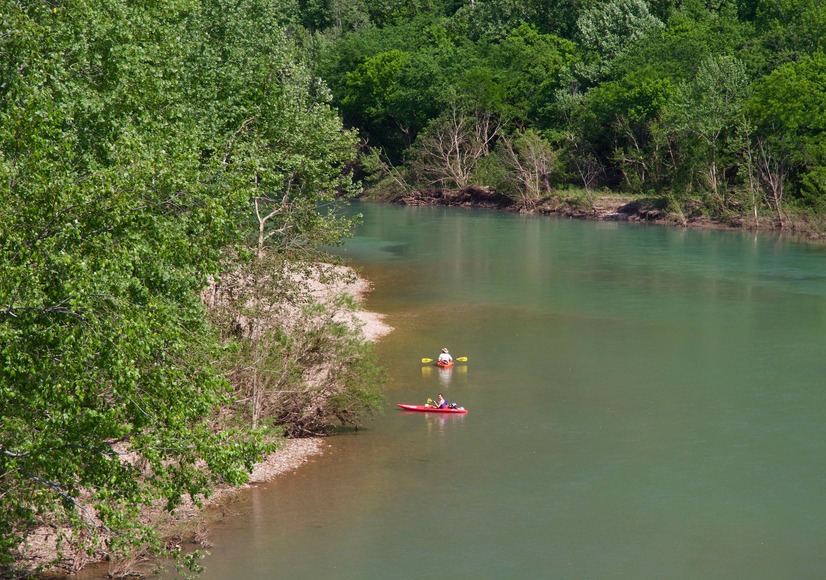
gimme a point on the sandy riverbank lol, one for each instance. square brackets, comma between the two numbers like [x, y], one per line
[42, 545]
[295, 452]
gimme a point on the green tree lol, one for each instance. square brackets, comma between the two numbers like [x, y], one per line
[622, 126]
[340, 15]
[489, 20]
[107, 235]
[134, 139]
[528, 67]
[609, 29]
[710, 110]
[371, 90]
[274, 137]
[790, 28]
[789, 107]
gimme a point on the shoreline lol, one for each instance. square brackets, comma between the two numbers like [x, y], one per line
[189, 522]
[614, 207]
[295, 452]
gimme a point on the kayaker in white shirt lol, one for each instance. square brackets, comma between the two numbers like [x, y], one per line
[445, 357]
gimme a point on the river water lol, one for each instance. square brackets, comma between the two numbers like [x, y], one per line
[645, 402]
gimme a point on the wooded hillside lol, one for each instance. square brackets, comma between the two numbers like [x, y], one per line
[716, 106]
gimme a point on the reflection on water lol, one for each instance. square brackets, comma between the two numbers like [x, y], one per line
[436, 423]
[644, 402]
[444, 376]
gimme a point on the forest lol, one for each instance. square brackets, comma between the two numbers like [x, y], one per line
[171, 173]
[712, 107]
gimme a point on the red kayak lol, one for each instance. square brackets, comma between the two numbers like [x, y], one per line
[426, 409]
[444, 364]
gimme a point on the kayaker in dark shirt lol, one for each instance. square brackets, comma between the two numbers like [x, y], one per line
[440, 402]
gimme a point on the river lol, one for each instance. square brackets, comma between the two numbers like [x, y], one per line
[645, 402]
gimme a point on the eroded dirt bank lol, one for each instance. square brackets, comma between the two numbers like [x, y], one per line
[610, 207]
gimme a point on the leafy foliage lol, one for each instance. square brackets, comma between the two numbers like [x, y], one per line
[612, 84]
[710, 110]
[106, 238]
[610, 29]
[135, 142]
[790, 109]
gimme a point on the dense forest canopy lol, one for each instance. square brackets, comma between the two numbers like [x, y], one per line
[718, 104]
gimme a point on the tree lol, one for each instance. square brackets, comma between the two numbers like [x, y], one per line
[489, 19]
[772, 169]
[392, 85]
[299, 359]
[710, 109]
[609, 29]
[528, 67]
[133, 140]
[339, 14]
[107, 235]
[370, 92]
[790, 28]
[532, 161]
[789, 108]
[619, 125]
[448, 152]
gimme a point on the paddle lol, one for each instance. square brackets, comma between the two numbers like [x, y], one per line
[457, 359]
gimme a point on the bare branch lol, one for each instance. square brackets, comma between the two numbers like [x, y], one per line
[452, 148]
[90, 519]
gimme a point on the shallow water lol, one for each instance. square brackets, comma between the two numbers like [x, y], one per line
[645, 402]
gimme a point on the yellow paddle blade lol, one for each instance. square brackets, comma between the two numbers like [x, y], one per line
[427, 360]
[462, 359]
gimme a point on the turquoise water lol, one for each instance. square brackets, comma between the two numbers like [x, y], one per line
[645, 402]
